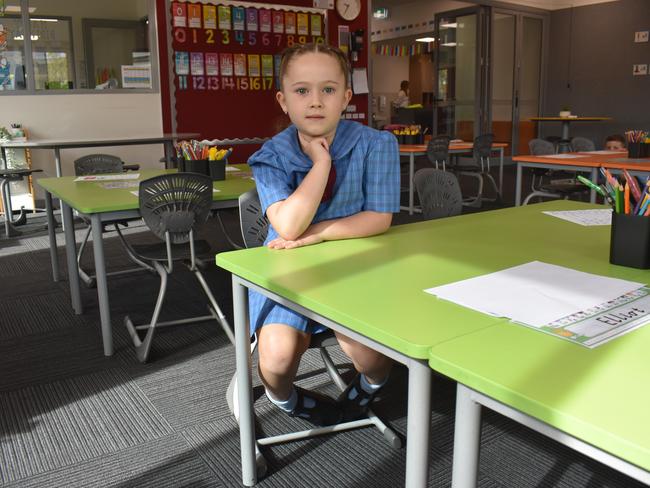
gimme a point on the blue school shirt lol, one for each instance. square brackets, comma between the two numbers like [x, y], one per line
[367, 178]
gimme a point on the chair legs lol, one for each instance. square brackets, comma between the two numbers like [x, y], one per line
[143, 346]
[89, 280]
[389, 434]
[477, 200]
[543, 194]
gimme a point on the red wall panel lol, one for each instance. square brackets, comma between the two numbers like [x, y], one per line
[228, 113]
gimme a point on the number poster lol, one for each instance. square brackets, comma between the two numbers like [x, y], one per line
[224, 48]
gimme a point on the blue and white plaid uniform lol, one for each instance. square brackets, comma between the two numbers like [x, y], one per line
[367, 178]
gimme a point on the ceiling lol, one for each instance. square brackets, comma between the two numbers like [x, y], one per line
[542, 4]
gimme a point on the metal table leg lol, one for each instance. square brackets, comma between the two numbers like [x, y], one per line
[244, 383]
[411, 176]
[418, 424]
[594, 177]
[467, 438]
[51, 227]
[501, 172]
[518, 185]
[102, 285]
[57, 161]
[71, 256]
[6, 200]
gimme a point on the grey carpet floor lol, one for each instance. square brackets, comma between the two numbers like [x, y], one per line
[70, 417]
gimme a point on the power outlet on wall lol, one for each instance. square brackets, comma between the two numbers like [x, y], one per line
[641, 36]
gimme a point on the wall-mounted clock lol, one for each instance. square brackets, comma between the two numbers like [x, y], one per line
[348, 9]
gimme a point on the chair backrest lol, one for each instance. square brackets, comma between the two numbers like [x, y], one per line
[582, 144]
[539, 147]
[254, 224]
[439, 193]
[483, 146]
[95, 164]
[438, 149]
[175, 203]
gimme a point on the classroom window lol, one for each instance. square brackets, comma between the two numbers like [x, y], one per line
[77, 46]
[12, 52]
[52, 53]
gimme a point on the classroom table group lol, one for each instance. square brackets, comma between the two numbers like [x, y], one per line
[372, 289]
[104, 205]
[589, 163]
[593, 400]
[456, 148]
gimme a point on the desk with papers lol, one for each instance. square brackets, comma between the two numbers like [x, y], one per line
[594, 400]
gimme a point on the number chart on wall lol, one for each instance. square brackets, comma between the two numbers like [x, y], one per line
[226, 60]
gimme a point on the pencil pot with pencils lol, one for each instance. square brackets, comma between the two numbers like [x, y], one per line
[196, 166]
[630, 241]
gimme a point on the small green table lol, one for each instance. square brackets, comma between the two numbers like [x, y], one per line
[371, 290]
[596, 401]
[103, 205]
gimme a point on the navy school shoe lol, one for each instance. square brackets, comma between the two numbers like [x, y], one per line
[354, 401]
[316, 408]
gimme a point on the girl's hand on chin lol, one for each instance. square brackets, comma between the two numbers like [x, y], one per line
[317, 149]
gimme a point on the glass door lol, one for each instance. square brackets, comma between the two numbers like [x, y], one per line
[516, 46]
[460, 73]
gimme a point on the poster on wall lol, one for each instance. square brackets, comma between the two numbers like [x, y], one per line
[228, 56]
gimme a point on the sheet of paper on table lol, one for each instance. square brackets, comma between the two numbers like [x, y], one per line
[563, 156]
[118, 185]
[534, 293]
[125, 176]
[589, 217]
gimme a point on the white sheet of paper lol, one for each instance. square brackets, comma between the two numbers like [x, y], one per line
[563, 156]
[123, 176]
[232, 168]
[534, 293]
[119, 185]
[592, 216]
[604, 151]
[359, 80]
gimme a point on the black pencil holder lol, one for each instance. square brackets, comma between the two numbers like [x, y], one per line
[218, 169]
[645, 150]
[630, 241]
[634, 150]
[197, 166]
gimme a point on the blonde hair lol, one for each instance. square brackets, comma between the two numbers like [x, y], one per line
[299, 49]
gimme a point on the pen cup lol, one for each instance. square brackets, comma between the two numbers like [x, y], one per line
[218, 169]
[197, 166]
[644, 151]
[630, 241]
[634, 150]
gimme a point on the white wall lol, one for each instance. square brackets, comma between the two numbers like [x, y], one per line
[90, 116]
[417, 14]
[387, 73]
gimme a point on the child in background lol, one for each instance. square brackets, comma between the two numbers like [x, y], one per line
[615, 142]
[320, 179]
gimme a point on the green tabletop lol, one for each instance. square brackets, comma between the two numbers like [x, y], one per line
[600, 395]
[374, 286]
[92, 197]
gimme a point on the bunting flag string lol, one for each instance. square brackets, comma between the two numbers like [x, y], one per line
[402, 50]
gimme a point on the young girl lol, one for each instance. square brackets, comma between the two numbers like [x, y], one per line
[320, 179]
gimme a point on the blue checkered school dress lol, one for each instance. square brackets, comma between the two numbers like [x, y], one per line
[367, 178]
